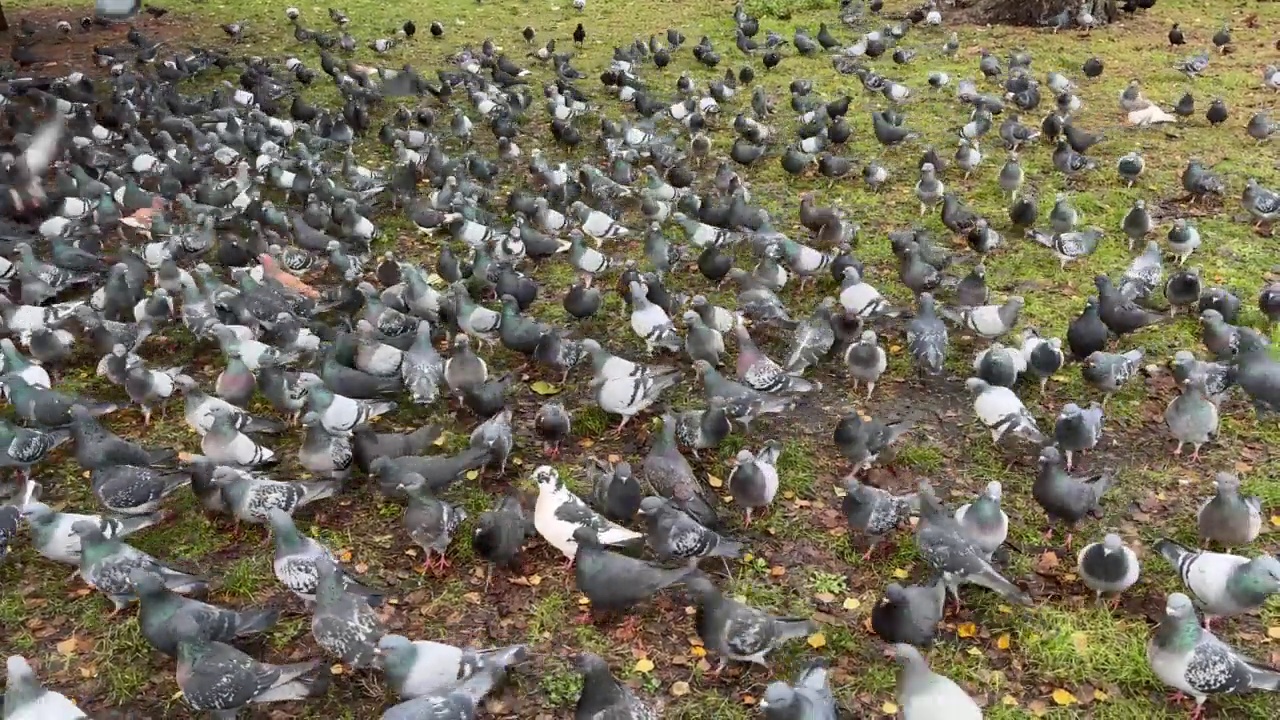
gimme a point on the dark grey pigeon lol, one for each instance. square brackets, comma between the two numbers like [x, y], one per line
[876, 512]
[1227, 517]
[96, 446]
[430, 521]
[735, 631]
[130, 490]
[163, 614]
[666, 469]
[1077, 430]
[927, 338]
[1108, 567]
[910, 614]
[613, 581]
[673, 535]
[342, 621]
[1063, 496]
[948, 550]
[615, 492]
[9, 515]
[500, 533]
[603, 697]
[1121, 315]
[809, 699]
[861, 439]
[218, 678]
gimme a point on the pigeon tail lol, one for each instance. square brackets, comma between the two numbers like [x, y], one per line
[993, 580]
[133, 523]
[792, 628]
[1173, 552]
[263, 425]
[252, 622]
[727, 549]
[297, 682]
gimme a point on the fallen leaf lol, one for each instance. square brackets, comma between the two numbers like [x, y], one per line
[777, 571]
[542, 387]
[68, 647]
[586, 443]
[1080, 641]
[824, 597]
[344, 555]
[1275, 520]
[698, 651]
[679, 688]
[535, 580]
[966, 630]
[817, 640]
[615, 459]
[748, 700]
[1047, 561]
[440, 441]
[1063, 697]
[1100, 696]
[714, 481]
[473, 474]
[1038, 707]
[644, 665]
[1002, 642]
[584, 600]
[362, 568]
[888, 708]
[337, 669]
[1273, 633]
[1009, 700]
[900, 574]
[851, 603]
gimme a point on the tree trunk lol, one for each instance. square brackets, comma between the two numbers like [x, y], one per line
[1042, 12]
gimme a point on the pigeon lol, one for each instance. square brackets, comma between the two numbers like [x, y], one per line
[1218, 376]
[673, 535]
[861, 439]
[1227, 517]
[735, 631]
[163, 613]
[1000, 410]
[26, 699]
[1192, 417]
[1043, 357]
[106, 562]
[947, 549]
[984, 521]
[51, 530]
[753, 481]
[999, 365]
[615, 582]
[1108, 566]
[910, 614]
[923, 694]
[1195, 662]
[500, 533]
[1063, 496]
[1110, 371]
[604, 697]
[130, 490]
[421, 667]
[1223, 585]
[989, 321]
[559, 513]
[667, 470]
[9, 516]
[251, 499]
[865, 361]
[25, 447]
[430, 521]
[224, 443]
[759, 372]
[553, 424]
[1077, 430]
[218, 678]
[343, 623]
[809, 699]
[873, 511]
[927, 337]
[297, 558]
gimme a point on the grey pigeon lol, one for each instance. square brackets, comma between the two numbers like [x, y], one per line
[1200, 181]
[456, 705]
[673, 535]
[9, 516]
[702, 342]
[924, 695]
[667, 470]
[1220, 337]
[1144, 275]
[1223, 585]
[422, 667]
[984, 521]
[865, 360]
[495, 436]
[106, 564]
[861, 439]
[615, 491]
[927, 338]
[367, 445]
[910, 614]
[759, 372]
[26, 699]
[735, 631]
[130, 490]
[52, 536]
[1110, 371]
[603, 697]
[873, 511]
[46, 408]
[999, 365]
[1108, 566]
[1227, 517]
[1118, 312]
[1077, 430]
[1043, 357]
[989, 321]
[342, 622]
[223, 443]
[741, 403]
[339, 413]
[613, 581]
[553, 424]
[1137, 222]
[24, 447]
[440, 471]
[812, 339]
[1195, 662]
[96, 446]
[297, 558]
[702, 429]
[251, 499]
[324, 453]
[430, 521]
[947, 549]
[218, 678]
[753, 481]
[809, 699]
[163, 615]
[1063, 496]
[1001, 412]
[1192, 417]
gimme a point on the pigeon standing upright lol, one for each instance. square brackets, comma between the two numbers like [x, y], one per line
[1108, 566]
[984, 521]
[673, 535]
[735, 631]
[1064, 497]
[1227, 517]
[753, 482]
[604, 697]
[342, 622]
[948, 550]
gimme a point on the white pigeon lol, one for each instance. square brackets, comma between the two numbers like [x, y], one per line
[26, 699]
[859, 298]
[1000, 410]
[559, 512]
[651, 322]
[1151, 115]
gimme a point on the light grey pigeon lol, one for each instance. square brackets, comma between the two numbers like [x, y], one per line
[105, 564]
[1001, 412]
[910, 614]
[26, 699]
[809, 699]
[1077, 430]
[163, 615]
[741, 403]
[630, 396]
[430, 521]
[1218, 376]
[494, 434]
[925, 695]
[948, 550]
[875, 511]
[422, 667]
[1108, 567]
[1192, 417]
[1223, 585]
[1227, 517]
[667, 470]
[735, 631]
[999, 365]
[130, 490]
[615, 582]
[1110, 371]
[673, 535]
[218, 678]
[1195, 662]
[603, 697]
[52, 536]
[927, 337]
[251, 498]
[342, 622]
[861, 439]
[702, 342]
[1144, 275]
[339, 413]
[324, 453]
[812, 339]
[297, 558]
[759, 372]
[866, 360]
[224, 444]
[753, 481]
[559, 512]
[984, 521]
[989, 321]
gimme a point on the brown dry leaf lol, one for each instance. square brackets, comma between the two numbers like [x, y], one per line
[535, 580]
[777, 571]
[1038, 707]
[586, 443]
[825, 597]
[817, 640]
[344, 555]
[748, 700]
[679, 688]
[644, 665]
[614, 459]
[966, 630]
[1273, 633]
[1064, 697]
[362, 568]
[68, 647]
[1047, 561]
[1002, 642]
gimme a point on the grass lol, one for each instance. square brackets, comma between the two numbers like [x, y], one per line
[798, 549]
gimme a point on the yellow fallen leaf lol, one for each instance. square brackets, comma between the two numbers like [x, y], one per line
[777, 571]
[748, 557]
[788, 495]
[900, 574]
[966, 630]
[586, 443]
[714, 481]
[679, 688]
[517, 462]
[1063, 697]
[1002, 642]
[615, 459]
[542, 387]
[1275, 520]
[851, 604]
[698, 652]
[1004, 609]
[440, 441]
[584, 600]
[344, 555]
[337, 669]
[889, 708]
[644, 665]
[973, 652]
[1080, 641]
[68, 646]
[824, 597]
[1100, 696]
[534, 580]
[1009, 701]
[817, 640]
[895, 349]
[473, 474]
[748, 700]
[1273, 633]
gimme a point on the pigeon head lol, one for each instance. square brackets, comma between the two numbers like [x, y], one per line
[1209, 315]
[652, 505]
[1226, 483]
[1050, 456]
[907, 656]
[1112, 543]
[586, 536]
[895, 593]
[390, 643]
[994, 490]
[977, 386]
[547, 478]
[36, 512]
[589, 663]
[85, 529]
[778, 695]
[1179, 606]
[868, 337]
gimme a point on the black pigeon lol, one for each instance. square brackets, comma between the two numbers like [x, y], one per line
[1092, 67]
[579, 34]
[1222, 39]
[1087, 334]
[1186, 106]
[528, 34]
[436, 28]
[1175, 35]
[1217, 112]
[410, 28]
[771, 59]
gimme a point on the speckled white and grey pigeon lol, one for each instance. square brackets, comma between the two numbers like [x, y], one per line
[1228, 517]
[26, 699]
[630, 395]
[1108, 567]
[220, 679]
[296, 558]
[874, 511]
[339, 413]
[753, 481]
[422, 367]
[910, 614]
[1077, 430]
[224, 444]
[735, 631]
[131, 490]
[925, 695]
[927, 337]
[23, 447]
[984, 521]
[759, 372]
[1145, 275]
[105, 564]
[1195, 662]
[741, 402]
[251, 498]
[422, 667]
[809, 699]
[1192, 417]
[651, 322]
[324, 453]
[673, 535]
[603, 697]
[989, 321]
[559, 512]
[1222, 584]
[947, 548]
[1109, 371]
[1218, 376]
[200, 406]
[1000, 410]
[52, 536]
[164, 614]
[812, 339]
[668, 472]
[342, 622]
